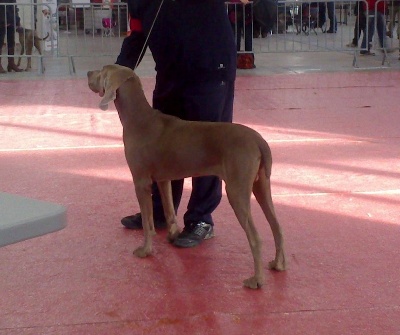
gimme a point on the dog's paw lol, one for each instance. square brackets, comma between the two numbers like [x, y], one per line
[173, 233]
[142, 252]
[253, 283]
[278, 265]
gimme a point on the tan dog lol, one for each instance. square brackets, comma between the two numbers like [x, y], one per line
[29, 39]
[161, 148]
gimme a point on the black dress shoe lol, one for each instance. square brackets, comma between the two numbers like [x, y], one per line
[135, 222]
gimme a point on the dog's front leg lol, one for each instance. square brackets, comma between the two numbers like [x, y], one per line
[169, 211]
[143, 194]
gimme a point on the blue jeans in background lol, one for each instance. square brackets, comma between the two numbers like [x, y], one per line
[380, 25]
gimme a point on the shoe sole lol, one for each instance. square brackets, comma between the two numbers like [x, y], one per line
[210, 235]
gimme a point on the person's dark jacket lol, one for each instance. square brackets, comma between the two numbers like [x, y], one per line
[190, 39]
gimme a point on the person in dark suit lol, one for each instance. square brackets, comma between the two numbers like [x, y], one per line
[193, 47]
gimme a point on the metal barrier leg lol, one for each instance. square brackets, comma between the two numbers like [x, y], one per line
[385, 58]
[355, 64]
[41, 65]
[71, 65]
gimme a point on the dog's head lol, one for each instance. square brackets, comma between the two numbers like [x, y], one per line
[46, 13]
[106, 82]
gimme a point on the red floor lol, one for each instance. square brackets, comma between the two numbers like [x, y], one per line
[336, 183]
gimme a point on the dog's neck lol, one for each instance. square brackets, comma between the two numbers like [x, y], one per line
[132, 105]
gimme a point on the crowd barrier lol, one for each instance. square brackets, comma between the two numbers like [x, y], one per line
[21, 22]
[91, 30]
[66, 30]
[305, 26]
[264, 26]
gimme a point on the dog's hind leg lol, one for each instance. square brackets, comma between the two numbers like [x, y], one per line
[262, 192]
[169, 212]
[240, 202]
[143, 194]
[22, 42]
[36, 44]
[29, 50]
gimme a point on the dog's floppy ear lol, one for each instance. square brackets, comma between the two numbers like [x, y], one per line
[111, 78]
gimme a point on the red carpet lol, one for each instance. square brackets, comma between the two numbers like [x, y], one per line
[335, 140]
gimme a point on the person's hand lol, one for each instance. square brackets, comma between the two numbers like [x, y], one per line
[245, 1]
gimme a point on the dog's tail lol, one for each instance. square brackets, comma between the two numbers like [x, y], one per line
[266, 156]
[43, 38]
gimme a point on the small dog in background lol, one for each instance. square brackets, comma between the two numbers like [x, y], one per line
[49, 26]
[29, 39]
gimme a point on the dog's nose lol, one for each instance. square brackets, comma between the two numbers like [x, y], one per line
[89, 73]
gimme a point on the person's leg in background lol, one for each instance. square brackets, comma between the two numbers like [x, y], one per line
[332, 17]
[359, 28]
[257, 29]
[11, 49]
[246, 60]
[394, 10]
[362, 23]
[236, 19]
[321, 15]
[370, 19]
[392, 18]
[381, 29]
[357, 32]
[238, 33]
[248, 37]
[2, 36]
[398, 26]
[397, 13]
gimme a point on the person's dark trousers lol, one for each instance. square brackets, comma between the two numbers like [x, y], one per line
[359, 27]
[245, 30]
[207, 101]
[248, 37]
[2, 34]
[330, 5]
[10, 32]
